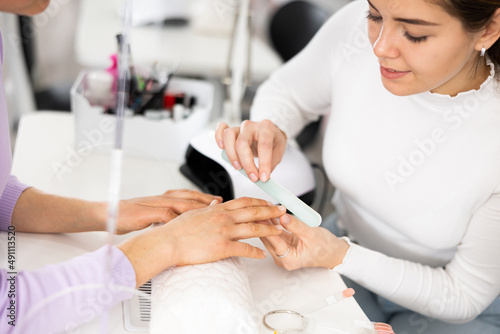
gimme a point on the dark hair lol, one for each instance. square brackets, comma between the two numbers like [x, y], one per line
[474, 15]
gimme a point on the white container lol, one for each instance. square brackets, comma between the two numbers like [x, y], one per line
[164, 139]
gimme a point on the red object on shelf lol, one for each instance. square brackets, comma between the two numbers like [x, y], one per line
[168, 101]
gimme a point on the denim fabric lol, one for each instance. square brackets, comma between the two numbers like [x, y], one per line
[405, 321]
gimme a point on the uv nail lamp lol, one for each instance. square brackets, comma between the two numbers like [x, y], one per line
[205, 167]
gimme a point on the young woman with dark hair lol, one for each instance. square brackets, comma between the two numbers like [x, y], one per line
[412, 145]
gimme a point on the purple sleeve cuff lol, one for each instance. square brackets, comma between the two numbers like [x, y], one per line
[58, 298]
[8, 200]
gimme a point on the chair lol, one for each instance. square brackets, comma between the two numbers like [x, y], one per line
[291, 27]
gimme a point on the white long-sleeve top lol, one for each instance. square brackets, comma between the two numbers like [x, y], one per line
[417, 177]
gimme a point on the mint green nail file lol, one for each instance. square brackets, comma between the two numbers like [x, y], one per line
[300, 209]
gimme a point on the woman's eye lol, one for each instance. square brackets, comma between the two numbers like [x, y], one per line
[373, 18]
[415, 39]
[378, 19]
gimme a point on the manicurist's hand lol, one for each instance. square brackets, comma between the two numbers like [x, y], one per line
[302, 246]
[138, 213]
[252, 139]
[202, 235]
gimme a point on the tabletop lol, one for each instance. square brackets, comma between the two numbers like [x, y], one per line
[45, 157]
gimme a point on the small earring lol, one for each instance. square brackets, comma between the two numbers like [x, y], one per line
[483, 51]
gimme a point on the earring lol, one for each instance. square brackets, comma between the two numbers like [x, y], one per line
[483, 51]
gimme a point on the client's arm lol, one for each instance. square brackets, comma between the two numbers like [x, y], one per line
[59, 297]
[39, 212]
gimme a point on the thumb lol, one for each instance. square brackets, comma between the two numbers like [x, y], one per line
[294, 225]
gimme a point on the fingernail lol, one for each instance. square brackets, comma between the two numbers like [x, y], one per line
[254, 177]
[282, 208]
[285, 219]
[263, 177]
[279, 227]
[236, 165]
[264, 253]
[270, 203]
[220, 143]
[349, 292]
[214, 202]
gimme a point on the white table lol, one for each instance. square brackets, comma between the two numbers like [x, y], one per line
[45, 140]
[201, 55]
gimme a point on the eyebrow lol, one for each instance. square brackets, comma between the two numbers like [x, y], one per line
[409, 21]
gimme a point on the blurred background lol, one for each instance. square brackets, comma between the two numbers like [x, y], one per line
[48, 44]
[44, 54]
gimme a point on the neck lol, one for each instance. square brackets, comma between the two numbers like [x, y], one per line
[470, 77]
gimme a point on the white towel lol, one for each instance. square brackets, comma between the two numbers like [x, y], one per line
[206, 298]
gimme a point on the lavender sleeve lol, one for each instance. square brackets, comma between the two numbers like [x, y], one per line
[8, 199]
[10, 187]
[58, 298]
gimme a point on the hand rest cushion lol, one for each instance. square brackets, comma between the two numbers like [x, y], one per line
[206, 298]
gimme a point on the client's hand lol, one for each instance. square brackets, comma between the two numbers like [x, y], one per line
[203, 235]
[138, 213]
[304, 246]
[212, 234]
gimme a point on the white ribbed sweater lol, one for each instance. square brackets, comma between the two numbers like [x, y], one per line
[417, 177]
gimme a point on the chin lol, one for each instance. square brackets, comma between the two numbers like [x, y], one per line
[398, 89]
[36, 7]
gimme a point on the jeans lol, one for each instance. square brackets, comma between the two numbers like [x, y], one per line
[405, 321]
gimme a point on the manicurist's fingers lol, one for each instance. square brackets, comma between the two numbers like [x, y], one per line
[275, 245]
[229, 136]
[243, 146]
[294, 225]
[218, 134]
[265, 151]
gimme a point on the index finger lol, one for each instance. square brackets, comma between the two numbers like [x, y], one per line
[243, 144]
[219, 130]
[265, 152]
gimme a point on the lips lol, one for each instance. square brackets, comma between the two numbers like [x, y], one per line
[392, 74]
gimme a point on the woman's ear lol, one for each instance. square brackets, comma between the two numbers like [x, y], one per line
[491, 33]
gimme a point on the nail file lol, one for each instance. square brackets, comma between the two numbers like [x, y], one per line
[300, 209]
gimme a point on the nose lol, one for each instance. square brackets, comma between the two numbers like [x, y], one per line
[386, 44]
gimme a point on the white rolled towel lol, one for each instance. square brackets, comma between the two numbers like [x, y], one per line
[205, 298]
